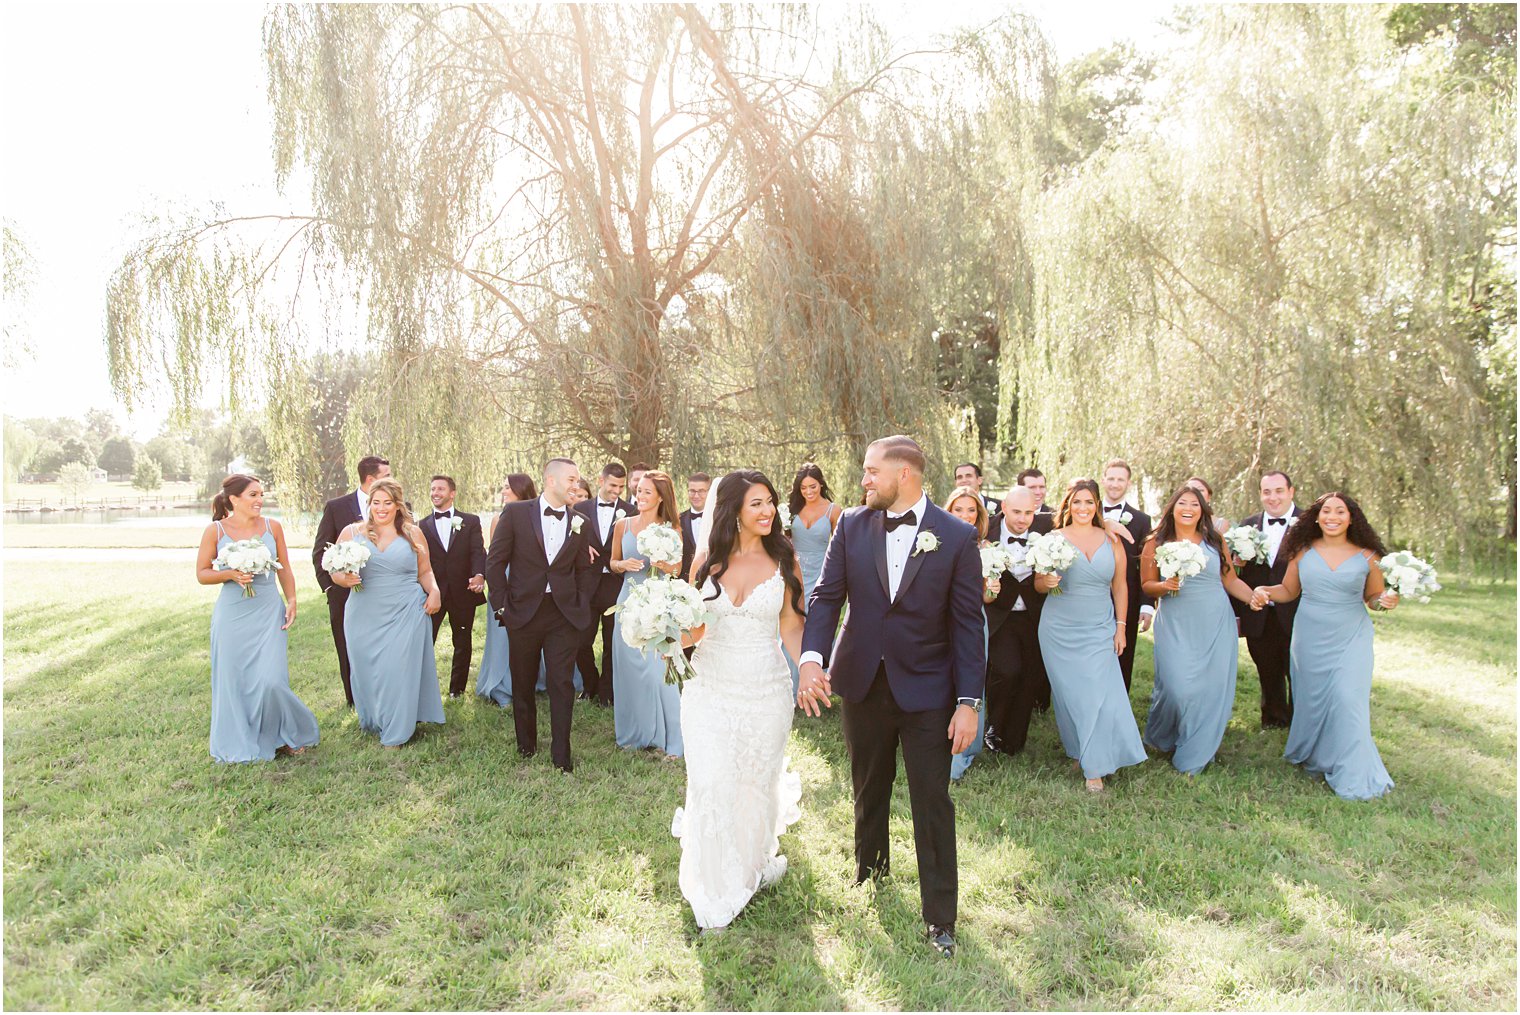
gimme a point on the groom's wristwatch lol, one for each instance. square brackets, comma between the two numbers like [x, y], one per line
[975, 703]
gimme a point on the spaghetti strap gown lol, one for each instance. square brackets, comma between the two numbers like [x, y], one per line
[253, 709]
[390, 646]
[1087, 692]
[646, 711]
[1330, 664]
[1197, 654]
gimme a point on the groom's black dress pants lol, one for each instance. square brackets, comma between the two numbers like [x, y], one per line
[550, 635]
[873, 727]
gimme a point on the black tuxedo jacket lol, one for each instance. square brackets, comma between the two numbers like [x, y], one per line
[517, 568]
[1253, 623]
[602, 541]
[1000, 609]
[929, 638]
[688, 543]
[464, 559]
[337, 515]
[1044, 522]
[1139, 526]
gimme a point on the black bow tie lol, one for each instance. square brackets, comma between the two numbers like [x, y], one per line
[1116, 507]
[602, 503]
[1277, 521]
[906, 518]
[1024, 540]
[443, 514]
[558, 516]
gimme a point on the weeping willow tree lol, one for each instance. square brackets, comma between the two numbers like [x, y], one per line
[1261, 274]
[615, 231]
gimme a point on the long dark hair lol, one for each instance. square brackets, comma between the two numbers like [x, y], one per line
[1305, 529]
[1063, 515]
[232, 486]
[724, 533]
[521, 485]
[794, 500]
[1167, 530]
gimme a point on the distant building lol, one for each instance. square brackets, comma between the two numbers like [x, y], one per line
[238, 464]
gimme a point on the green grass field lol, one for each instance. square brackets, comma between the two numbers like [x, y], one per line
[140, 874]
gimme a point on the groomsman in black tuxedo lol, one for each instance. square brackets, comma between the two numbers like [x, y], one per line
[1142, 608]
[969, 474]
[1015, 668]
[602, 512]
[1268, 632]
[697, 485]
[1034, 481]
[338, 514]
[457, 550]
[542, 581]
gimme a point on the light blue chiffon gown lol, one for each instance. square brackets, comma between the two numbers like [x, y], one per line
[811, 544]
[1330, 665]
[1197, 654]
[646, 711]
[253, 709]
[390, 646]
[962, 761]
[494, 681]
[1087, 689]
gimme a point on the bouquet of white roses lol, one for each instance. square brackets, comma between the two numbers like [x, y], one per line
[1248, 543]
[784, 513]
[346, 558]
[995, 561]
[1180, 559]
[655, 615]
[660, 543]
[250, 556]
[1051, 553]
[1409, 576]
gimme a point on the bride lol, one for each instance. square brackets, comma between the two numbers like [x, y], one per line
[736, 712]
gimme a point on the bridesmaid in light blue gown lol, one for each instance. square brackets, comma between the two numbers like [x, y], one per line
[1080, 640]
[814, 516]
[1332, 553]
[967, 505]
[494, 681]
[1197, 650]
[646, 712]
[254, 713]
[390, 638]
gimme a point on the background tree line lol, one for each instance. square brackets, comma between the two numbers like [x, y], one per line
[707, 237]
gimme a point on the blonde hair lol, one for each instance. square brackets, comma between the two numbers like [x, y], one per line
[405, 526]
[981, 507]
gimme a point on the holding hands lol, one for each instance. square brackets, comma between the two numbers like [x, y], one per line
[813, 689]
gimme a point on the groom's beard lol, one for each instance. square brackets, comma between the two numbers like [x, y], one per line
[880, 499]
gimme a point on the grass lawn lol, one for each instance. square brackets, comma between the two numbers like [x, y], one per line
[140, 874]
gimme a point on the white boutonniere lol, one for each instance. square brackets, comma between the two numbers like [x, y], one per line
[927, 542]
[1125, 517]
[456, 523]
[576, 521]
[619, 515]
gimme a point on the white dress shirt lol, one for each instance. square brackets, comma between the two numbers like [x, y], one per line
[445, 530]
[604, 523]
[696, 528]
[1020, 569]
[1275, 533]
[556, 531]
[363, 500]
[899, 548]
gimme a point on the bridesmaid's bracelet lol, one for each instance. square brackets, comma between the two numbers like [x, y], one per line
[1122, 623]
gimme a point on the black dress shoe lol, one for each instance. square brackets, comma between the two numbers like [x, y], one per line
[943, 939]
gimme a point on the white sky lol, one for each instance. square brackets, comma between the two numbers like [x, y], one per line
[112, 112]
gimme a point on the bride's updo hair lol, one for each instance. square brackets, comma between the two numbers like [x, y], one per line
[723, 535]
[232, 486]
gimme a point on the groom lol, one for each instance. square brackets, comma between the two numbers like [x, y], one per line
[541, 580]
[910, 664]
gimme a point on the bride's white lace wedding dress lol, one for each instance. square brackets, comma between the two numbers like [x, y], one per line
[736, 714]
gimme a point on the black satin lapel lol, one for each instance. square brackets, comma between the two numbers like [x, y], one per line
[538, 528]
[879, 548]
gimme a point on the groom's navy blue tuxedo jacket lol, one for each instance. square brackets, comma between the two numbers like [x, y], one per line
[930, 638]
